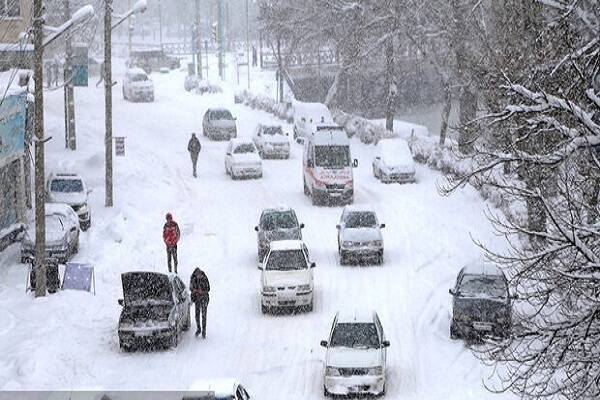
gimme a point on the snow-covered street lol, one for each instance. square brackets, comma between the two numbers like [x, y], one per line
[69, 340]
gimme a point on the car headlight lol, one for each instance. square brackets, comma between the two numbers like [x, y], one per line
[269, 289]
[376, 371]
[330, 371]
[304, 288]
[376, 243]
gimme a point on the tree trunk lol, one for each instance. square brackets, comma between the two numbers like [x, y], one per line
[445, 111]
[391, 86]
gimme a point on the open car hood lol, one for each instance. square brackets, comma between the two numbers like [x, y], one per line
[146, 288]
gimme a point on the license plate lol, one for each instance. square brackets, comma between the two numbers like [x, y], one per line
[287, 303]
[482, 326]
[143, 333]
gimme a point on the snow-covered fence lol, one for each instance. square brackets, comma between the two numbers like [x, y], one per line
[263, 102]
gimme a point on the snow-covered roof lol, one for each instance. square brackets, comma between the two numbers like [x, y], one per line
[331, 137]
[279, 208]
[65, 175]
[361, 316]
[312, 110]
[359, 208]
[58, 208]
[281, 245]
[217, 109]
[238, 141]
[9, 82]
[136, 71]
[480, 267]
[394, 148]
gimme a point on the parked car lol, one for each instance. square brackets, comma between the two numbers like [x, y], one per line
[223, 389]
[276, 224]
[242, 160]
[62, 238]
[270, 141]
[287, 277]
[137, 86]
[394, 162]
[152, 60]
[359, 235]
[218, 123]
[191, 82]
[355, 361]
[327, 166]
[156, 309]
[70, 188]
[481, 302]
[307, 116]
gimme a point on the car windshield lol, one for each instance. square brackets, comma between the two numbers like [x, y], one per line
[486, 285]
[355, 335]
[244, 148]
[221, 114]
[332, 156]
[278, 220]
[272, 130]
[361, 220]
[66, 185]
[139, 78]
[286, 260]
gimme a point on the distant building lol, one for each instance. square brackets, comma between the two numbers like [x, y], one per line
[15, 17]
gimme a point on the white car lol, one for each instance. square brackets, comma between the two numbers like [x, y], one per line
[270, 141]
[307, 116]
[242, 160]
[287, 276]
[62, 235]
[355, 361]
[137, 85]
[71, 189]
[394, 162]
[223, 389]
[359, 235]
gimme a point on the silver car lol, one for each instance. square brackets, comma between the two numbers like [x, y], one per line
[219, 124]
[62, 239]
[359, 235]
[276, 224]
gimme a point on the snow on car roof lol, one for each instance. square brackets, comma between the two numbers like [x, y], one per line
[280, 245]
[58, 208]
[317, 110]
[394, 149]
[221, 386]
[361, 316]
[136, 71]
[329, 137]
[359, 208]
[238, 141]
[280, 208]
[65, 175]
[482, 268]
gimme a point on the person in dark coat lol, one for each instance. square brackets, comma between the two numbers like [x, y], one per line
[194, 149]
[171, 235]
[200, 288]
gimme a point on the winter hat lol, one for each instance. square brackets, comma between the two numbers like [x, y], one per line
[169, 217]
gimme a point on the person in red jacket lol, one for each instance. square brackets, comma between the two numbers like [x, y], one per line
[171, 236]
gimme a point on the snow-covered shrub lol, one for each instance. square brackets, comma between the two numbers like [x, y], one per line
[205, 86]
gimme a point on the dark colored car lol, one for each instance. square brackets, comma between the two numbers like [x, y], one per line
[276, 224]
[482, 304]
[156, 310]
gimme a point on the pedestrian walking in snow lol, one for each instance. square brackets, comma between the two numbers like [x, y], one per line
[194, 149]
[55, 67]
[200, 288]
[171, 235]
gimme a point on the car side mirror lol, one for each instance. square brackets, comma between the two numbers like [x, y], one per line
[382, 226]
[287, 134]
[377, 158]
[452, 292]
[301, 226]
[313, 265]
[355, 163]
[120, 301]
[338, 226]
[385, 343]
[73, 229]
[324, 343]
[228, 154]
[256, 228]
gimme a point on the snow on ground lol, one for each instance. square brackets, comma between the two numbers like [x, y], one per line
[68, 341]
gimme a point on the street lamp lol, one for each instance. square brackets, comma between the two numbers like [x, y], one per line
[139, 7]
[38, 122]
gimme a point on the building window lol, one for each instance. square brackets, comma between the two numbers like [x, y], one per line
[10, 8]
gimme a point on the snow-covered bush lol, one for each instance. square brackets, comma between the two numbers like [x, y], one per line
[205, 86]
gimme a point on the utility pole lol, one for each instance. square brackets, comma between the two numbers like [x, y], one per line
[108, 102]
[130, 31]
[247, 44]
[38, 123]
[220, 36]
[198, 39]
[160, 23]
[69, 90]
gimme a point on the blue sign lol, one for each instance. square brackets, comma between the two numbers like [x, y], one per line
[79, 276]
[12, 127]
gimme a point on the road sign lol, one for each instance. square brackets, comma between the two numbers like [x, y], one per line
[80, 66]
[120, 146]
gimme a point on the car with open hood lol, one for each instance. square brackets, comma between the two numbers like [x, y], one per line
[481, 302]
[70, 188]
[280, 223]
[137, 86]
[356, 355]
[242, 160]
[393, 162]
[271, 141]
[359, 235]
[62, 238]
[219, 124]
[156, 310]
[287, 277]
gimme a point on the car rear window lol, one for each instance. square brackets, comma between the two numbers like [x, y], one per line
[273, 130]
[244, 148]
[278, 220]
[66, 185]
[361, 220]
[355, 335]
[486, 285]
[221, 114]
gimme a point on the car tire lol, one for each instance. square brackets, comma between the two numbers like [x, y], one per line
[306, 192]
[174, 339]
[264, 309]
[188, 321]
[310, 307]
[380, 258]
[315, 199]
[454, 334]
[343, 258]
[125, 347]
[326, 392]
[124, 95]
